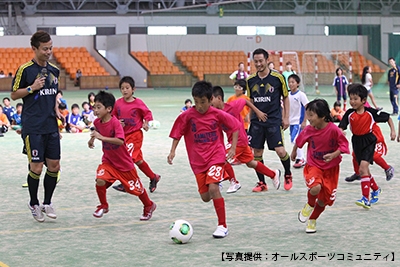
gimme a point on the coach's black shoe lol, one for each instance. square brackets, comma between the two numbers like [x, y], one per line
[353, 178]
[119, 188]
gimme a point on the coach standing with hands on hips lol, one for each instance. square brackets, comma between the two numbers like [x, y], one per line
[36, 82]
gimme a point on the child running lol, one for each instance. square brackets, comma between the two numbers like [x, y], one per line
[297, 119]
[326, 143]
[134, 115]
[116, 161]
[243, 150]
[202, 127]
[362, 120]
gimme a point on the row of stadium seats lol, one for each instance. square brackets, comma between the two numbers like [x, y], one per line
[156, 62]
[74, 58]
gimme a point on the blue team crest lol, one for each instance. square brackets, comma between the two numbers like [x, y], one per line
[214, 125]
[193, 126]
[134, 113]
[332, 143]
[112, 133]
[270, 88]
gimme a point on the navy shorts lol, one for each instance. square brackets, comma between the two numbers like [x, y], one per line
[259, 134]
[364, 147]
[39, 147]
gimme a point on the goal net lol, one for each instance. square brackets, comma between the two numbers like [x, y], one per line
[319, 70]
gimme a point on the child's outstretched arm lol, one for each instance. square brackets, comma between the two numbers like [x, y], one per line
[232, 150]
[171, 154]
[112, 140]
[330, 156]
[260, 115]
[91, 142]
[293, 155]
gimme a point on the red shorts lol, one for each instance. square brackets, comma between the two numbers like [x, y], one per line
[243, 153]
[133, 143]
[129, 179]
[214, 174]
[328, 179]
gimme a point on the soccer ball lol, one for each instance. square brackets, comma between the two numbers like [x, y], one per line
[180, 231]
[154, 124]
[317, 92]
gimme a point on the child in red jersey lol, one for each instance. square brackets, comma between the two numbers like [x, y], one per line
[116, 162]
[326, 143]
[202, 127]
[134, 115]
[243, 150]
[362, 120]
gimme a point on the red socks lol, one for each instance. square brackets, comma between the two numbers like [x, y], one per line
[311, 199]
[373, 184]
[219, 205]
[381, 162]
[229, 170]
[316, 212]
[261, 168]
[101, 193]
[144, 167]
[144, 197]
[365, 186]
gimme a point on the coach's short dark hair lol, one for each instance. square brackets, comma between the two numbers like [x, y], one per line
[262, 51]
[201, 89]
[107, 99]
[40, 37]
[358, 89]
[127, 79]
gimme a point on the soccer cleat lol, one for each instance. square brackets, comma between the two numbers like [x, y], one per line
[277, 179]
[260, 186]
[311, 226]
[234, 187]
[353, 177]
[375, 196]
[389, 173]
[288, 182]
[148, 212]
[220, 232]
[25, 185]
[49, 210]
[36, 212]
[119, 188]
[364, 202]
[305, 213]
[153, 183]
[299, 163]
[100, 211]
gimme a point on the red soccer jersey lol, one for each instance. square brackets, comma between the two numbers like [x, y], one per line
[133, 113]
[117, 156]
[361, 124]
[244, 112]
[321, 142]
[203, 136]
[234, 108]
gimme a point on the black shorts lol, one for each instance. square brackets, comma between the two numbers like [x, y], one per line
[259, 134]
[39, 147]
[364, 147]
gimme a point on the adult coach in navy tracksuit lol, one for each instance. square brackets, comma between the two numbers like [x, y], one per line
[393, 79]
[36, 82]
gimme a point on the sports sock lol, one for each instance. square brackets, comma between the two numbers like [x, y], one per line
[261, 168]
[300, 153]
[355, 165]
[381, 162]
[365, 185]
[286, 164]
[49, 183]
[311, 199]
[219, 205]
[344, 105]
[33, 185]
[316, 212]
[229, 170]
[373, 184]
[101, 193]
[260, 176]
[145, 168]
[144, 197]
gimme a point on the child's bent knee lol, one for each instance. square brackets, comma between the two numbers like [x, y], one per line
[100, 182]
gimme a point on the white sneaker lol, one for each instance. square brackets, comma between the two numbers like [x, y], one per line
[220, 232]
[276, 179]
[49, 210]
[234, 187]
[36, 212]
[98, 213]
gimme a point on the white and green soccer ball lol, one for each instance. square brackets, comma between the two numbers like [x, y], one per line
[154, 124]
[180, 231]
